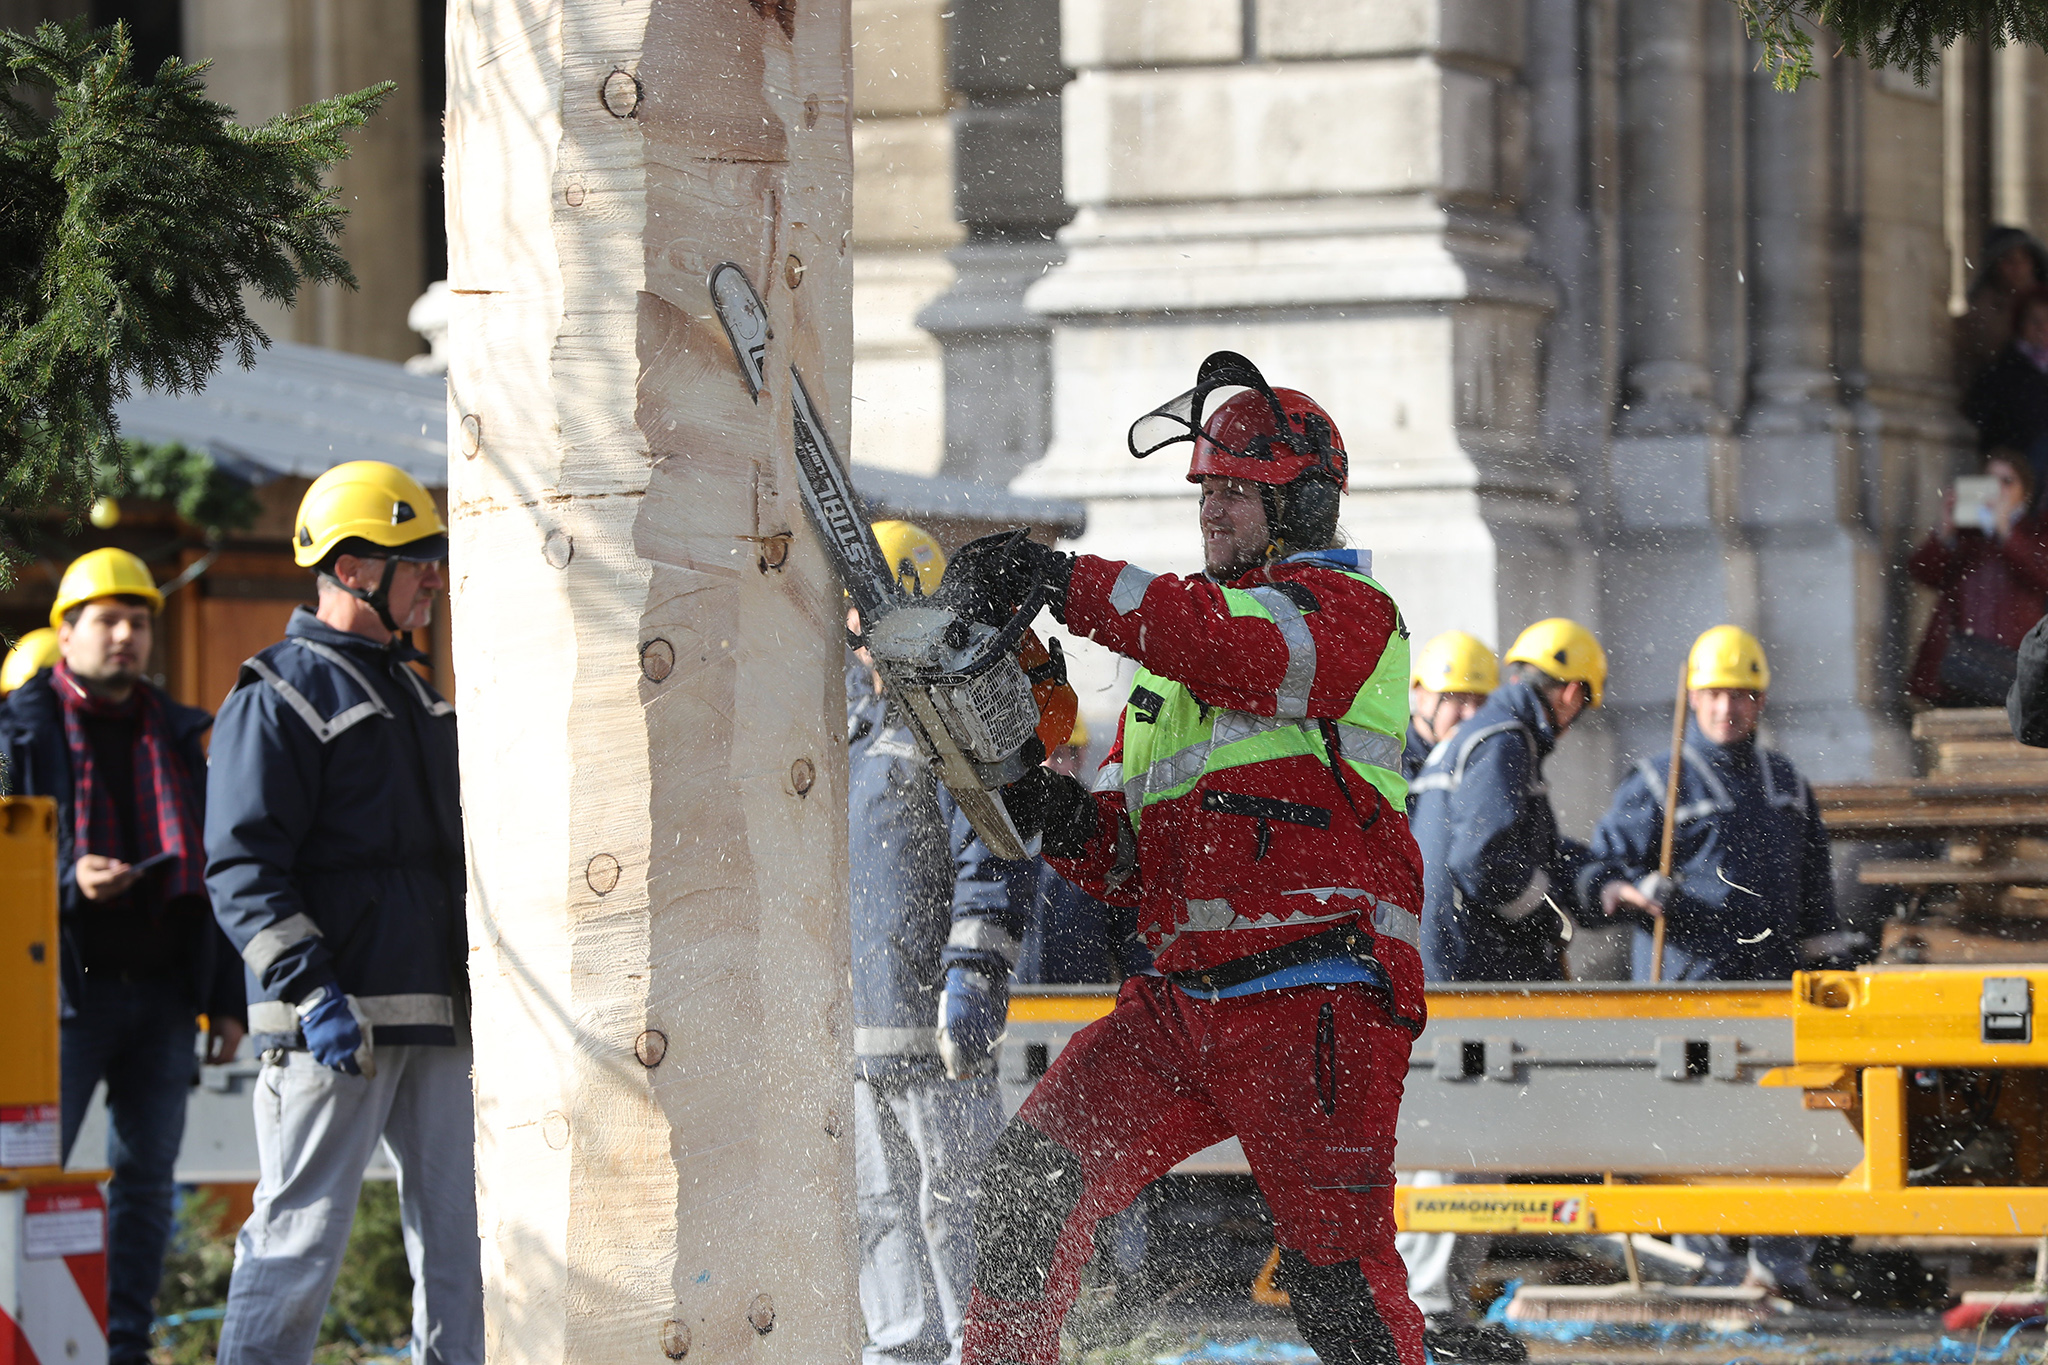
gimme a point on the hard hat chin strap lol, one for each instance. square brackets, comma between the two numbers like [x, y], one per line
[378, 598]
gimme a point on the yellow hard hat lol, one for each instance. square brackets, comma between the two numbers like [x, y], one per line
[1079, 737]
[1728, 656]
[1455, 662]
[32, 653]
[1566, 651]
[912, 555]
[104, 573]
[368, 500]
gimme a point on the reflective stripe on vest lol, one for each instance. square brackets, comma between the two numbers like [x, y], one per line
[1170, 740]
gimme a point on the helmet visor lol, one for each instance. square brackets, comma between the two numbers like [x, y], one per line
[1174, 421]
[1182, 418]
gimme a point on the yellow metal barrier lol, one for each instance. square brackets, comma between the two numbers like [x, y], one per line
[29, 1085]
[1858, 1039]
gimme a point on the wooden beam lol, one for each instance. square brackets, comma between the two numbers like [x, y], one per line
[653, 745]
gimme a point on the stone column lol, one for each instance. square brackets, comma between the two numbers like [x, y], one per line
[1819, 577]
[1005, 62]
[1676, 563]
[270, 56]
[1331, 189]
[903, 224]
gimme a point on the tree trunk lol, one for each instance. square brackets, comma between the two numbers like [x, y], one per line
[653, 752]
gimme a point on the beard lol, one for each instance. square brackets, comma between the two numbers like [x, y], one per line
[1237, 568]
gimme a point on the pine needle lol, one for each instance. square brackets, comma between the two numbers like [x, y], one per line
[133, 215]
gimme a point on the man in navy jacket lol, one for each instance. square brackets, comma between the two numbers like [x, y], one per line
[935, 938]
[1751, 896]
[139, 958]
[334, 843]
[1498, 877]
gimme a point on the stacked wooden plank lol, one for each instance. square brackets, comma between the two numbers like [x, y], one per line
[1972, 836]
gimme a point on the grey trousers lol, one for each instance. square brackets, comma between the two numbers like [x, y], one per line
[315, 1132]
[918, 1149]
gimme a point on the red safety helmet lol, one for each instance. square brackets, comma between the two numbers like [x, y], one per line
[1261, 435]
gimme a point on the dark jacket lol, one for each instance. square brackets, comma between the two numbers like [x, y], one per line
[35, 760]
[1414, 753]
[334, 836]
[1491, 850]
[1749, 853]
[926, 893]
[1992, 589]
[2026, 706]
[1070, 937]
[2008, 402]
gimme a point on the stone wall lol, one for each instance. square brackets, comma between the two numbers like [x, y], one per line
[1612, 328]
[903, 223]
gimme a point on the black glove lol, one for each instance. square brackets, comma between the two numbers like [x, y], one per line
[1053, 805]
[988, 579]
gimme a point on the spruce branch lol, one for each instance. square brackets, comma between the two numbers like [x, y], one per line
[1909, 35]
[133, 215]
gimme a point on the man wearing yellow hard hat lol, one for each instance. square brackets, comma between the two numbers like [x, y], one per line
[935, 938]
[1498, 877]
[334, 843]
[1751, 896]
[1453, 676]
[35, 651]
[139, 957]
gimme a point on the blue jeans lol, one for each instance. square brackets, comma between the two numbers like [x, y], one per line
[138, 1037]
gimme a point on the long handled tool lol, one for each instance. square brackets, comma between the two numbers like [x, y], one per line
[1670, 821]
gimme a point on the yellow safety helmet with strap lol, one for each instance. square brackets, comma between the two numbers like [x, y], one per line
[32, 653]
[104, 573]
[1728, 656]
[372, 510]
[1456, 662]
[913, 556]
[1566, 651]
[371, 501]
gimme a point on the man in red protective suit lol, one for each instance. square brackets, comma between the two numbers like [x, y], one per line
[1253, 810]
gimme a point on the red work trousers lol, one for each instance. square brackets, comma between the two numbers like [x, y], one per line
[1309, 1079]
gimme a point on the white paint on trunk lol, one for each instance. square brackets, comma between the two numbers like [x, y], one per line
[641, 859]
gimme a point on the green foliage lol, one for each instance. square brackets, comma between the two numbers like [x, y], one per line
[369, 1313]
[371, 1306]
[136, 212]
[184, 478]
[196, 1270]
[1907, 34]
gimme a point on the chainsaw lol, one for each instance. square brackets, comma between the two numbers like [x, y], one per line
[975, 695]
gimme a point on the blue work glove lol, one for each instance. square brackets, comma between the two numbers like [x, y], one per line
[336, 1033]
[973, 1012]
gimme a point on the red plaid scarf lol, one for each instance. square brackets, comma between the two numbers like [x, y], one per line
[166, 815]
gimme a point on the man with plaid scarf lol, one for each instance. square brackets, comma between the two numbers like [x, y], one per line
[140, 955]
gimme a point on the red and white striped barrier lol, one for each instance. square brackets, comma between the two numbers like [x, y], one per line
[53, 1274]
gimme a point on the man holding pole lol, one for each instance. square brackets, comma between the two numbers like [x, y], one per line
[1750, 895]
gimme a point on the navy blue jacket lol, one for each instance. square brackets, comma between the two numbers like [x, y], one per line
[1070, 937]
[1749, 854]
[35, 760]
[1414, 753]
[1491, 851]
[334, 836]
[926, 892]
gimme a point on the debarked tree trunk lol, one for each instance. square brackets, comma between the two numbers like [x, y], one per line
[648, 665]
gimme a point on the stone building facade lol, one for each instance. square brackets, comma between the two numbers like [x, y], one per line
[1612, 328]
